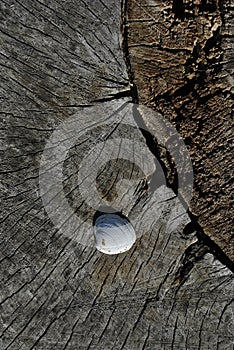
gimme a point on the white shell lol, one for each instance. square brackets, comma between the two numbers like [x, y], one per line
[113, 234]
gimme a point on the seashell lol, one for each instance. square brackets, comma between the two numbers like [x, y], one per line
[113, 233]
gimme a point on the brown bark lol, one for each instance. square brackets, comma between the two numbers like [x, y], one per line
[179, 55]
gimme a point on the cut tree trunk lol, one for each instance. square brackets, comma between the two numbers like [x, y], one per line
[66, 93]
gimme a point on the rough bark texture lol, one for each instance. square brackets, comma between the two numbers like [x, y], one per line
[180, 58]
[59, 59]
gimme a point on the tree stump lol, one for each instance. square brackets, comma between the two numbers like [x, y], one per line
[69, 77]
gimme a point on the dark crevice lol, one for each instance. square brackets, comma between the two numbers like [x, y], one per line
[170, 175]
[192, 254]
[213, 41]
[121, 94]
[194, 226]
[208, 6]
[197, 250]
[221, 11]
[205, 244]
[126, 54]
[178, 9]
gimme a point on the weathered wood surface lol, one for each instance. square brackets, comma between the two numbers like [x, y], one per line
[180, 58]
[58, 292]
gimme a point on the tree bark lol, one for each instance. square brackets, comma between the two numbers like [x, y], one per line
[179, 55]
[64, 63]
